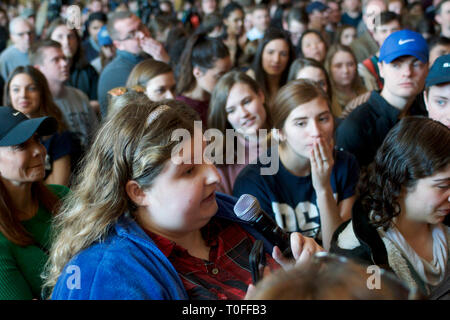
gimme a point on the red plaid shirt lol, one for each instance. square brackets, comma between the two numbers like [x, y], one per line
[227, 273]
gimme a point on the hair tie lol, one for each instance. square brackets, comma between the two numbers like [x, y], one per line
[156, 113]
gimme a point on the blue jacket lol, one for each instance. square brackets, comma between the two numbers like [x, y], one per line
[128, 265]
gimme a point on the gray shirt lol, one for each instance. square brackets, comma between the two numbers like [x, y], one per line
[78, 114]
[10, 59]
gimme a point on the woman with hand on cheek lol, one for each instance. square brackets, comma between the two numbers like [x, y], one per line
[313, 190]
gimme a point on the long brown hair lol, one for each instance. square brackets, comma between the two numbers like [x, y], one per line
[47, 106]
[200, 51]
[10, 226]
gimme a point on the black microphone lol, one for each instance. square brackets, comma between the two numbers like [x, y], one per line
[247, 208]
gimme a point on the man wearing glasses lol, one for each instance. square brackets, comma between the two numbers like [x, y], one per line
[134, 43]
[22, 36]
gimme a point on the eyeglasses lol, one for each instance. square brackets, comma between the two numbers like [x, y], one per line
[134, 33]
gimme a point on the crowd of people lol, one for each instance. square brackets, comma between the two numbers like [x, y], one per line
[130, 128]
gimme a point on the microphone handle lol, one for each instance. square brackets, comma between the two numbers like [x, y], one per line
[277, 236]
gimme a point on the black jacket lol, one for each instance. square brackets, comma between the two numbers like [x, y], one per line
[365, 128]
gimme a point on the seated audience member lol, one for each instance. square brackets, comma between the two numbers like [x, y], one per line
[27, 91]
[439, 46]
[402, 201]
[442, 17]
[237, 103]
[345, 34]
[351, 12]
[48, 57]
[345, 82]
[312, 46]
[134, 44]
[155, 77]
[260, 21]
[91, 47]
[27, 204]
[333, 19]
[385, 23]
[437, 91]
[132, 238]
[304, 68]
[203, 62]
[313, 190]
[296, 23]
[22, 36]
[82, 75]
[317, 17]
[273, 58]
[233, 20]
[107, 50]
[404, 67]
[365, 45]
[331, 277]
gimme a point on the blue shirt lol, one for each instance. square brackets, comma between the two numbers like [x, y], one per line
[291, 200]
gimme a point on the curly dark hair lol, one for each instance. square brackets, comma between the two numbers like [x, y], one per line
[415, 148]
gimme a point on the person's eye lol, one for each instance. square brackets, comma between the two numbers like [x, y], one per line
[190, 170]
[324, 119]
[15, 90]
[440, 102]
[444, 186]
[19, 147]
[247, 101]
[229, 110]
[160, 91]
[300, 123]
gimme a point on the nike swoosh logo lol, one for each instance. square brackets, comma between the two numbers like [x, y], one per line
[402, 42]
[16, 114]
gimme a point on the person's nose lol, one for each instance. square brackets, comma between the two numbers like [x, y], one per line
[212, 175]
[243, 112]
[315, 129]
[38, 148]
[406, 71]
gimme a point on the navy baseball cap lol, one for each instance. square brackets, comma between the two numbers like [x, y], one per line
[316, 5]
[404, 43]
[16, 128]
[103, 37]
[439, 72]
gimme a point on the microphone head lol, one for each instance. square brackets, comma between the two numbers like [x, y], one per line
[247, 208]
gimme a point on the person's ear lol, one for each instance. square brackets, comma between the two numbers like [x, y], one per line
[380, 68]
[135, 193]
[197, 72]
